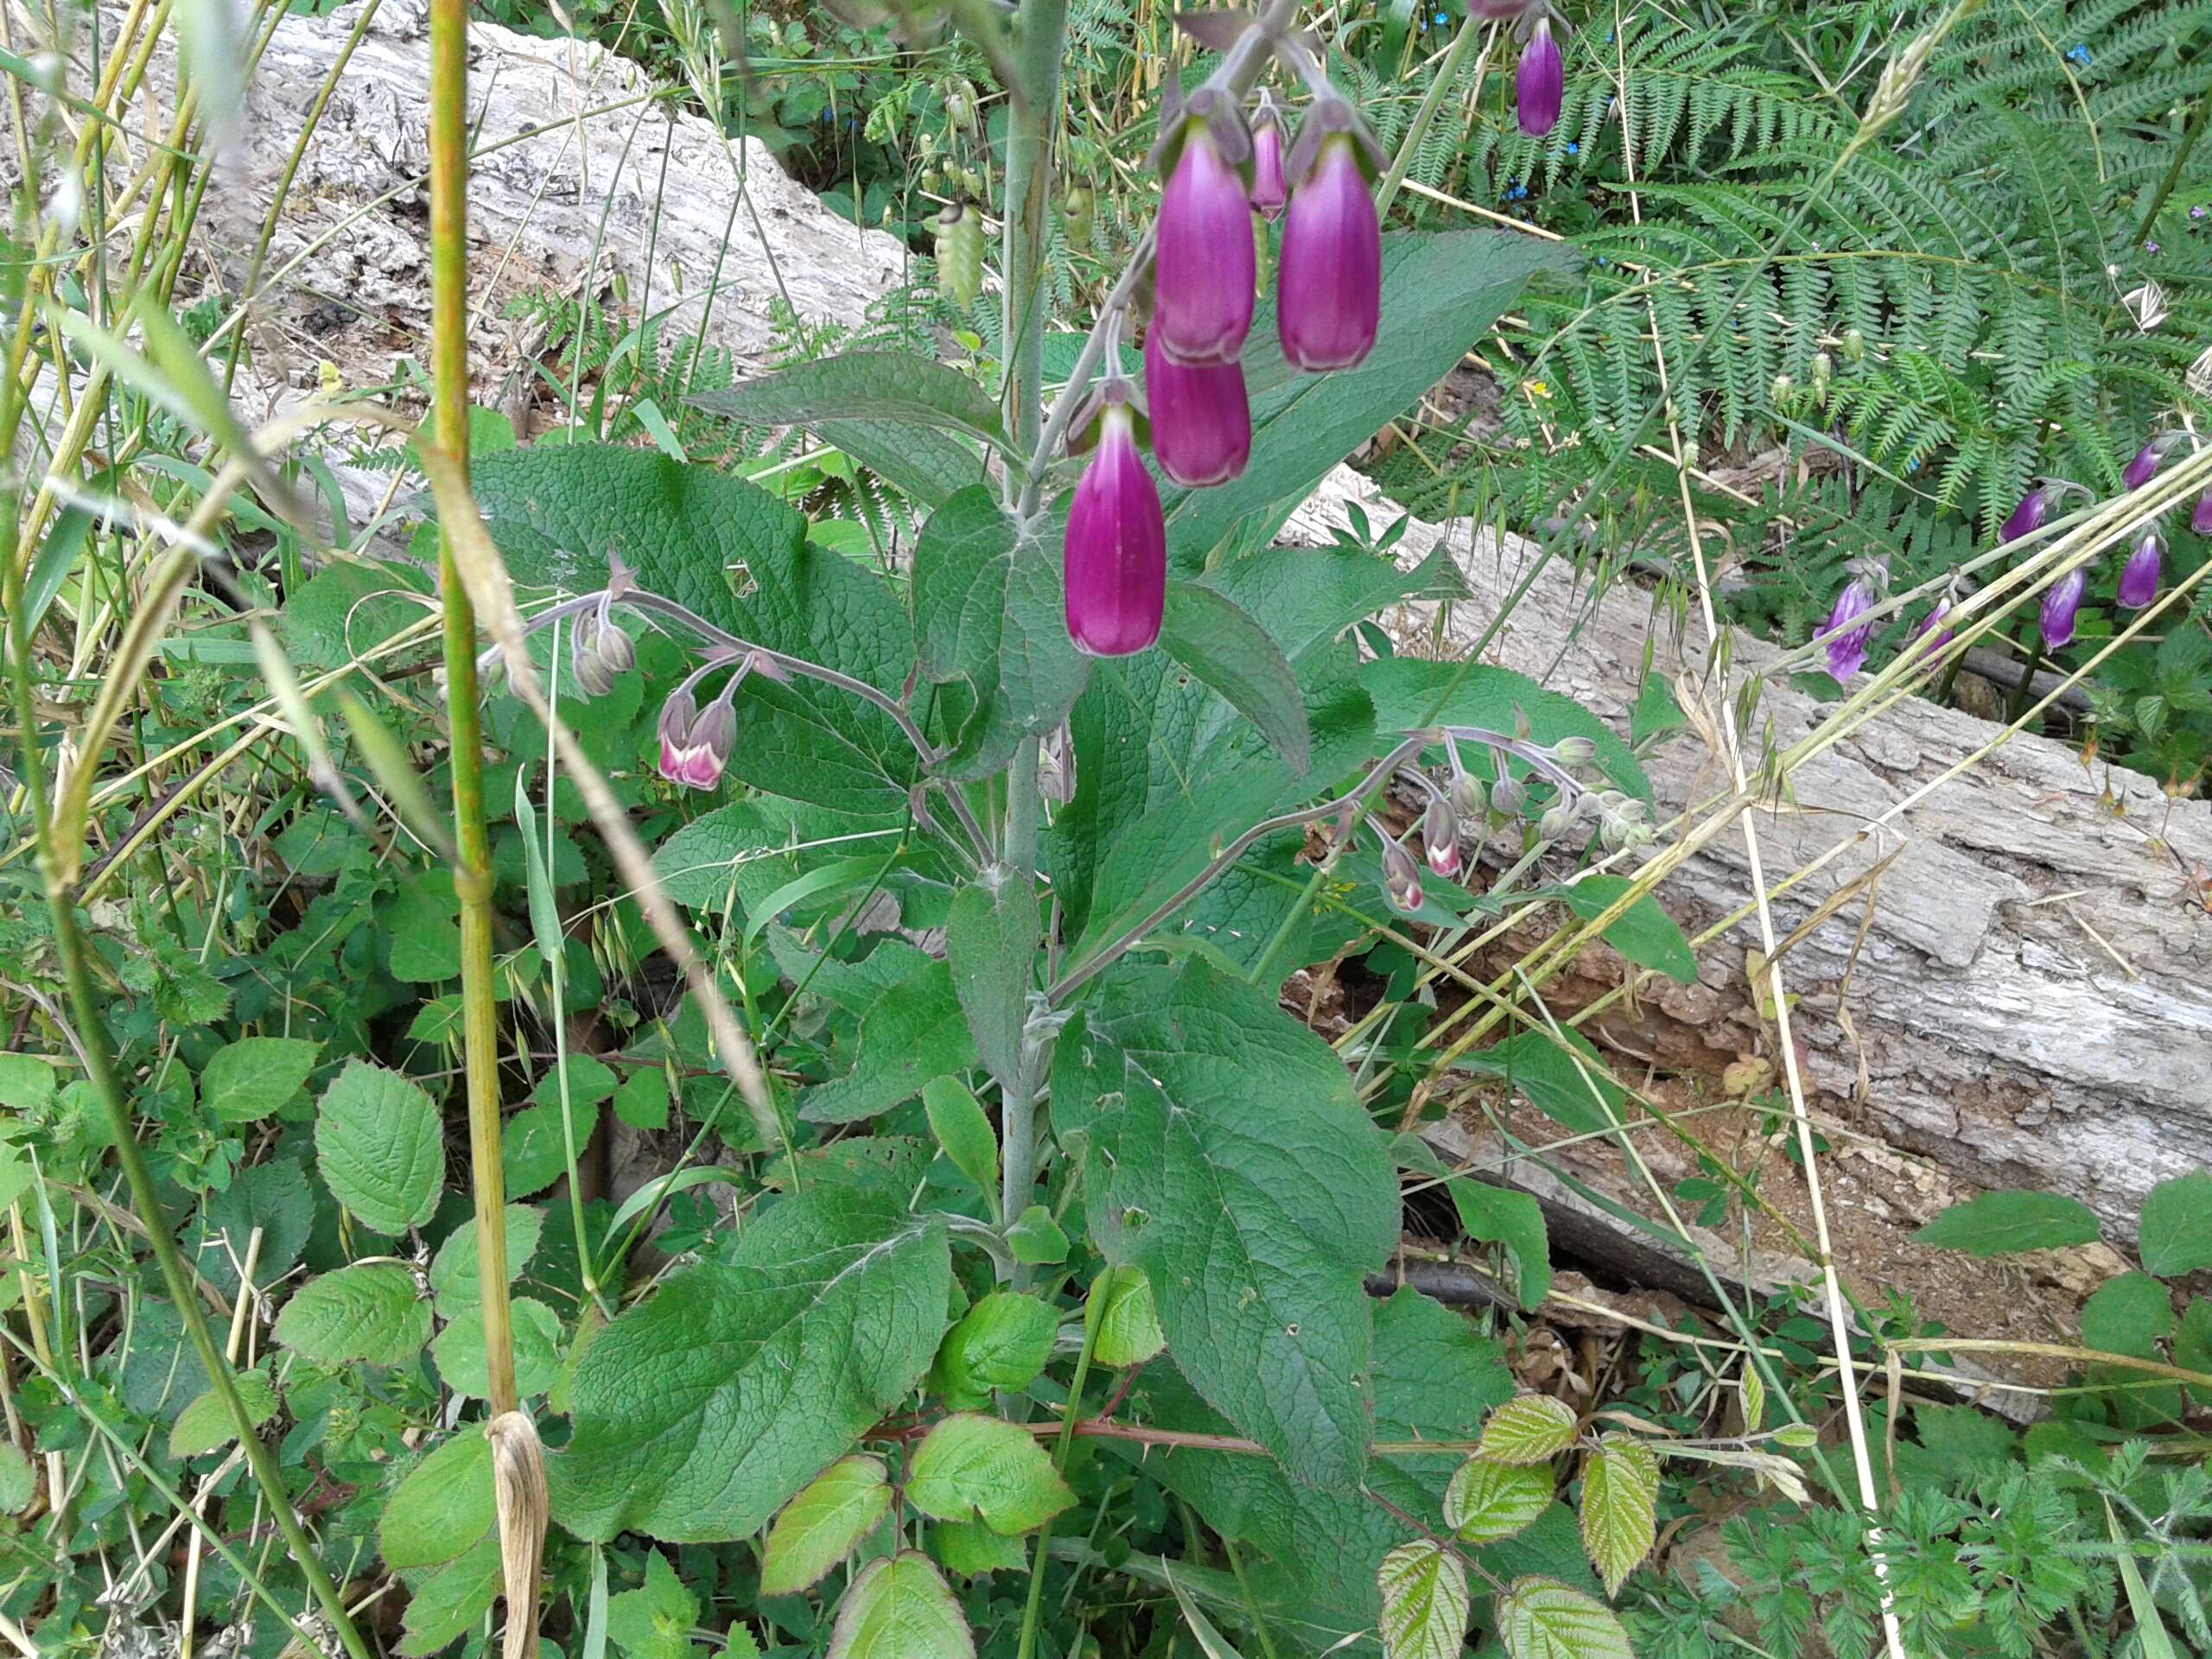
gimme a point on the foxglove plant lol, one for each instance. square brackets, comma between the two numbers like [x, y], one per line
[2144, 466]
[1539, 81]
[1329, 282]
[1205, 268]
[2060, 606]
[2138, 577]
[1847, 637]
[1201, 423]
[1400, 874]
[1114, 557]
[2200, 518]
[1269, 192]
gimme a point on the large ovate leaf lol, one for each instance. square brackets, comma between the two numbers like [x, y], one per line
[1561, 1074]
[1253, 1212]
[990, 942]
[367, 1311]
[1643, 932]
[740, 558]
[974, 1467]
[1227, 650]
[915, 1032]
[1620, 1494]
[823, 1524]
[1002, 1342]
[1425, 1601]
[990, 610]
[1541, 1619]
[699, 1413]
[380, 1147]
[901, 1607]
[1440, 292]
[2003, 1224]
[897, 387]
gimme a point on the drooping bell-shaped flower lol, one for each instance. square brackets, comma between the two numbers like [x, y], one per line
[2028, 516]
[2145, 466]
[1937, 622]
[2060, 605]
[1201, 424]
[694, 747]
[1847, 650]
[1329, 280]
[1206, 269]
[2138, 577]
[1401, 875]
[1115, 559]
[2199, 519]
[1269, 191]
[1540, 81]
[1440, 836]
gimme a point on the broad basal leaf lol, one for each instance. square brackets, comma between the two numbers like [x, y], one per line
[990, 610]
[699, 1413]
[2003, 1224]
[1498, 1215]
[380, 1147]
[1425, 1601]
[901, 1607]
[974, 1467]
[1541, 1619]
[1529, 1428]
[1561, 1074]
[894, 386]
[820, 1527]
[1620, 1493]
[1487, 1500]
[1644, 933]
[367, 1311]
[1230, 1160]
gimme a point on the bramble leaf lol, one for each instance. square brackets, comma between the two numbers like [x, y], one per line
[1620, 1491]
[1425, 1601]
[367, 1311]
[245, 1081]
[2175, 1235]
[824, 1523]
[1487, 1500]
[444, 1505]
[901, 1607]
[971, 1466]
[379, 1146]
[1129, 1322]
[1541, 1619]
[1529, 1428]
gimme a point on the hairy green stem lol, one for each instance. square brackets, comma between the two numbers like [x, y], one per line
[472, 875]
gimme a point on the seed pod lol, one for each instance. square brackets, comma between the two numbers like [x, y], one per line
[960, 253]
[591, 674]
[615, 652]
[1557, 822]
[1784, 389]
[1823, 375]
[1573, 751]
[960, 103]
[1854, 345]
[1469, 797]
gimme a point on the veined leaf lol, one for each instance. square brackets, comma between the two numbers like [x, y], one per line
[1542, 1619]
[1425, 1601]
[990, 941]
[1000, 1343]
[1226, 649]
[2003, 1224]
[443, 1506]
[1529, 1428]
[367, 1311]
[378, 1143]
[901, 1607]
[2175, 1235]
[971, 1466]
[821, 1526]
[1620, 1489]
[1498, 1215]
[1487, 1500]
[1128, 1323]
[894, 386]
[698, 1413]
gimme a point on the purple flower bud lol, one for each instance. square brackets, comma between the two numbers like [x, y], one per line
[1269, 192]
[1329, 283]
[1935, 622]
[694, 747]
[1848, 651]
[1401, 875]
[2138, 577]
[2201, 519]
[1201, 425]
[1206, 269]
[1440, 837]
[2028, 516]
[2141, 470]
[1115, 559]
[1539, 82]
[2059, 605]
[612, 647]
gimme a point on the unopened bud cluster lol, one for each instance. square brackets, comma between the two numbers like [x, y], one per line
[1574, 800]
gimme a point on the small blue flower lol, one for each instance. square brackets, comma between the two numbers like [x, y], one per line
[1912, 466]
[1573, 149]
[2079, 54]
[1603, 260]
[2151, 247]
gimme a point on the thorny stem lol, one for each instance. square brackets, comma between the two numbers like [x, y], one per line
[1239, 68]
[1067, 1425]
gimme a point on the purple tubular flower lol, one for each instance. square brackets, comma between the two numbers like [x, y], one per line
[696, 746]
[1848, 651]
[1440, 837]
[2201, 519]
[1115, 559]
[1201, 425]
[1401, 875]
[1934, 622]
[1329, 283]
[1539, 82]
[2144, 468]
[2059, 606]
[2138, 577]
[1205, 270]
[1269, 191]
[2028, 516]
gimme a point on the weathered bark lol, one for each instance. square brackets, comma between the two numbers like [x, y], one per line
[2021, 1000]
